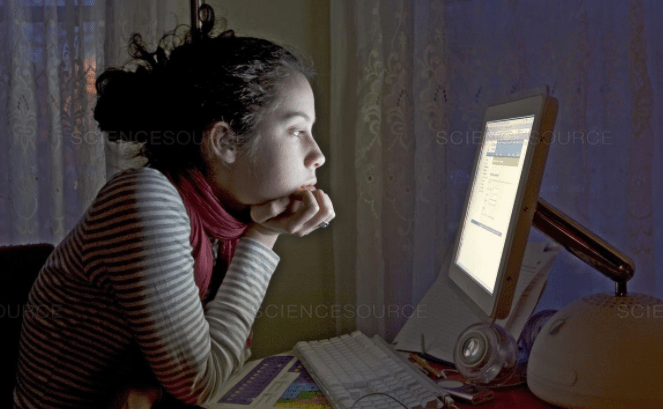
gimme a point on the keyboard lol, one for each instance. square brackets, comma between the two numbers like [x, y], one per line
[355, 371]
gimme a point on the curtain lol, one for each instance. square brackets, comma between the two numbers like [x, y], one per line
[410, 83]
[53, 157]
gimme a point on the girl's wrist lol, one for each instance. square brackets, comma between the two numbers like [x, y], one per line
[262, 235]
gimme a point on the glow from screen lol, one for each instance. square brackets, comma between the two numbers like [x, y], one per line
[493, 194]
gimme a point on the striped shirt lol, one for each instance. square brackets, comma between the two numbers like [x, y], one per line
[123, 281]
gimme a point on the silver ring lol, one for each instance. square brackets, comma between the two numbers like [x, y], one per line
[323, 225]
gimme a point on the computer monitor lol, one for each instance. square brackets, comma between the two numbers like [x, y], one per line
[501, 201]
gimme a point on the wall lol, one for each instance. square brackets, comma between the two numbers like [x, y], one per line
[304, 278]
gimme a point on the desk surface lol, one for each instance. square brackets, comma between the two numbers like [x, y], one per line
[512, 398]
[292, 387]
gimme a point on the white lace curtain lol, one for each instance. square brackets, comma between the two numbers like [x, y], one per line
[410, 83]
[52, 156]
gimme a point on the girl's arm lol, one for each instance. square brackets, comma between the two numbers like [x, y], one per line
[140, 249]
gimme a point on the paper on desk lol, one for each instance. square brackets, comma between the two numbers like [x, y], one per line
[292, 387]
[447, 316]
[268, 395]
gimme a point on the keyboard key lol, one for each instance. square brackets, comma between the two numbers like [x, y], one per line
[352, 366]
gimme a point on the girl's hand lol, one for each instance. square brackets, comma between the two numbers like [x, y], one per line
[298, 214]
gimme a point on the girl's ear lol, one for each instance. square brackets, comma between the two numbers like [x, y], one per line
[220, 142]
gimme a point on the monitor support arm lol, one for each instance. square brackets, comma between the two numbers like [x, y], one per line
[584, 244]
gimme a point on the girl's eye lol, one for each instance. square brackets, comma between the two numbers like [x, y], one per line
[297, 133]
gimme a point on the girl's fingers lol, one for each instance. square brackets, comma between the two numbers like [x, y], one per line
[269, 210]
[324, 214]
[273, 208]
[295, 205]
[297, 201]
[299, 214]
[307, 210]
[328, 207]
[301, 194]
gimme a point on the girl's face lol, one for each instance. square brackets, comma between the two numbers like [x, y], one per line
[286, 156]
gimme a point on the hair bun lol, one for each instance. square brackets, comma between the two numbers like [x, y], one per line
[132, 103]
[126, 104]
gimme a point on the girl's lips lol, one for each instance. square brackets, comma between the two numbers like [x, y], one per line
[307, 187]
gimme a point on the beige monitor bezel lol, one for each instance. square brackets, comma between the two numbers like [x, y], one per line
[498, 304]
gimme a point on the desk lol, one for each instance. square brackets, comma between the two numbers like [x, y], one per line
[290, 386]
[512, 398]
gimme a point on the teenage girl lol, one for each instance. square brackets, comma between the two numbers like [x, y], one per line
[163, 275]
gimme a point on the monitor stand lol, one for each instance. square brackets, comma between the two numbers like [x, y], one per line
[584, 244]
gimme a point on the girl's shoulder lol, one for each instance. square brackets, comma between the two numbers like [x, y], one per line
[139, 179]
[139, 174]
[139, 187]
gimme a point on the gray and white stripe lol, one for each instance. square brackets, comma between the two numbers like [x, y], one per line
[123, 279]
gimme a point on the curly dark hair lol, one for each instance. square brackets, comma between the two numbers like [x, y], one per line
[168, 98]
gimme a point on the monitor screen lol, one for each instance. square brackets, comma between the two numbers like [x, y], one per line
[492, 196]
[500, 203]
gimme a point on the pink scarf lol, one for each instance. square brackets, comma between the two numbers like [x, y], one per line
[208, 219]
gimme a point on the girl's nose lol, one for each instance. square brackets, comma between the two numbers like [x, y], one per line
[315, 158]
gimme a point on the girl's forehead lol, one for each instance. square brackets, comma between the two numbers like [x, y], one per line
[288, 115]
[295, 99]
